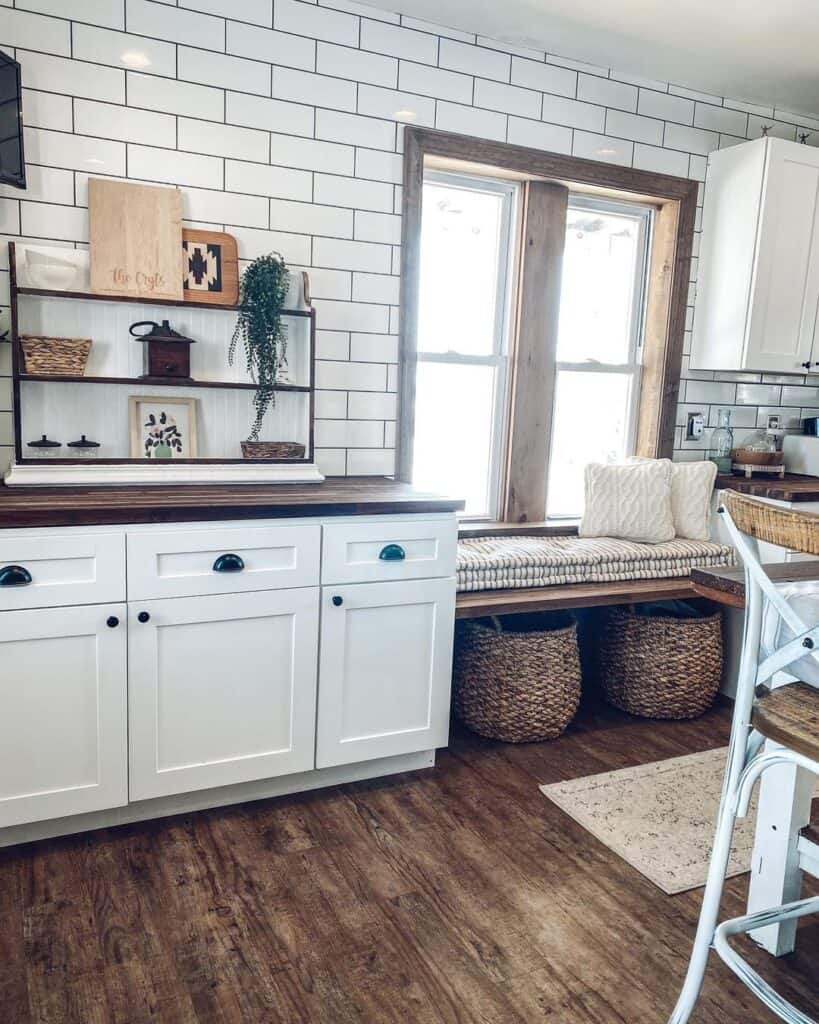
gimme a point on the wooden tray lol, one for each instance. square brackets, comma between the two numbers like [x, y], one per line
[210, 267]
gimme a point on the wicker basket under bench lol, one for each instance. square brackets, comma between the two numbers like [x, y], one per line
[517, 678]
[658, 665]
[499, 688]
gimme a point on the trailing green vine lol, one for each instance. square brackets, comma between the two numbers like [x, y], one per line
[260, 326]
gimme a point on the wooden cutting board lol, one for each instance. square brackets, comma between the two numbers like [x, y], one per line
[210, 267]
[135, 234]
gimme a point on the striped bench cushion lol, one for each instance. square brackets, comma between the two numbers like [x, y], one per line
[501, 563]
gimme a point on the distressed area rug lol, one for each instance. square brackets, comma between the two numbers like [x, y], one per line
[659, 817]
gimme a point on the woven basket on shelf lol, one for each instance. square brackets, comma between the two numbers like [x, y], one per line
[272, 450]
[660, 666]
[517, 679]
[66, 356]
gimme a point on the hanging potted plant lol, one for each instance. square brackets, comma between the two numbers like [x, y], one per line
[264, 338]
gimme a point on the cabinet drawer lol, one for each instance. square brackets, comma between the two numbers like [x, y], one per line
[371, 552]
[189, 563]
[64, 569]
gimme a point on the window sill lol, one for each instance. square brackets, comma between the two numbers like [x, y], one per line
[550, 528]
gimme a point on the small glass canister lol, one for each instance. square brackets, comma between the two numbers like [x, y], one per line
[83, 449]
[44, 448]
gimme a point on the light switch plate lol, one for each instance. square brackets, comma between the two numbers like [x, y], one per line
[695, 427]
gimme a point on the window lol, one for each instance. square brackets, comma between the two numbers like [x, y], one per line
[461, 384]
[543, 313]
[599, 344]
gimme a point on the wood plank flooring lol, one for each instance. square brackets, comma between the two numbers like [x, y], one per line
[450, 896]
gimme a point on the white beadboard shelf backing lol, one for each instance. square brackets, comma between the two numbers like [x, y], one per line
[282, 123]
[96, 403]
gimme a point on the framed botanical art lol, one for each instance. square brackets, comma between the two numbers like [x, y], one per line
[162, 428]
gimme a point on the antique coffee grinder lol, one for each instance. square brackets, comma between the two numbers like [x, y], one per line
[167, 352]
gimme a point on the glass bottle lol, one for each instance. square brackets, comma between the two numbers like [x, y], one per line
[722, 442]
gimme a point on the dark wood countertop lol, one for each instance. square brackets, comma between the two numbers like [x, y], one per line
[790, 487]
[727, 586]
[105, 506]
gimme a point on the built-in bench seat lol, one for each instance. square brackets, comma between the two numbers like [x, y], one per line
[502, 575]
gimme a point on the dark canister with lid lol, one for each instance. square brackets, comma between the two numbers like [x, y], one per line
[83, 448]
[43, 448]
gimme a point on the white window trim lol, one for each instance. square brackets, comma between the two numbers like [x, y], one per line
[501, 336]
[633, 366]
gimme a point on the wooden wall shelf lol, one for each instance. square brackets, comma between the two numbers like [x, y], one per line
[155, 382]
[49, 293]
[211, 330]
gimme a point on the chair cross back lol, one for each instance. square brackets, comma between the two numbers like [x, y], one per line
[789, 714]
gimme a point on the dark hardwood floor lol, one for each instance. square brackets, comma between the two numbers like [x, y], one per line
[455, 895]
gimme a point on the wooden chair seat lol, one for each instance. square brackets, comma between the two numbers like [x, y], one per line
[790, 716]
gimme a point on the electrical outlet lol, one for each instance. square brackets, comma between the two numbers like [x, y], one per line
[696, 426]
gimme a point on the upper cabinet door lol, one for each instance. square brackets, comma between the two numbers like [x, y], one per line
[221, 689]
[786, 282]
[386, 667]
[62, 712]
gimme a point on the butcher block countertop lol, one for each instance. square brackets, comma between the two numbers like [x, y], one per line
[790, 487]
[103, 506]
[727, 585]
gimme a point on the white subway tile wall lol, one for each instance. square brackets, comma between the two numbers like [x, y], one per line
[281, 121]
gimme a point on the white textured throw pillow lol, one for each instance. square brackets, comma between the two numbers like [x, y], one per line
[692, 487]
[631, 501]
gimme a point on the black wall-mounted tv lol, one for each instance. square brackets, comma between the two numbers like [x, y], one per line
[12, 161]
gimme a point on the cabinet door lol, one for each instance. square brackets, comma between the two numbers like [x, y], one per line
[385, 671]
[62, 712]
[786, 291]
[221, 689]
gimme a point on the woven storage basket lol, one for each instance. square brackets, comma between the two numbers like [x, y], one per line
[784, 527]
[66, 356]
[272, 450]
[660, 666]
[517, 679]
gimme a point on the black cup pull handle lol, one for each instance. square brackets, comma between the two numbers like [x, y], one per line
[392, 553]
[228, 563]
[14, 576]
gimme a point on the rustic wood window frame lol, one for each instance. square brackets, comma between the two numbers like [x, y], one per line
[548, 178]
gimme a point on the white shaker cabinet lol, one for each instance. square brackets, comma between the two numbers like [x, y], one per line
[151, 669]
[758, 275]
[385, 670]
[222, 689]
[62, 712]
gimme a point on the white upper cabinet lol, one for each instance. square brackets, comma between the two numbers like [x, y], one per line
[758, 280]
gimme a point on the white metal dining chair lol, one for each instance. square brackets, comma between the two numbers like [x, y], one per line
[776, 639]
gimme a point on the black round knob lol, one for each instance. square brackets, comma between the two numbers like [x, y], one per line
[112, 621]
[338, 600]
[807, 642]
[806, 365]
[143, 616]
